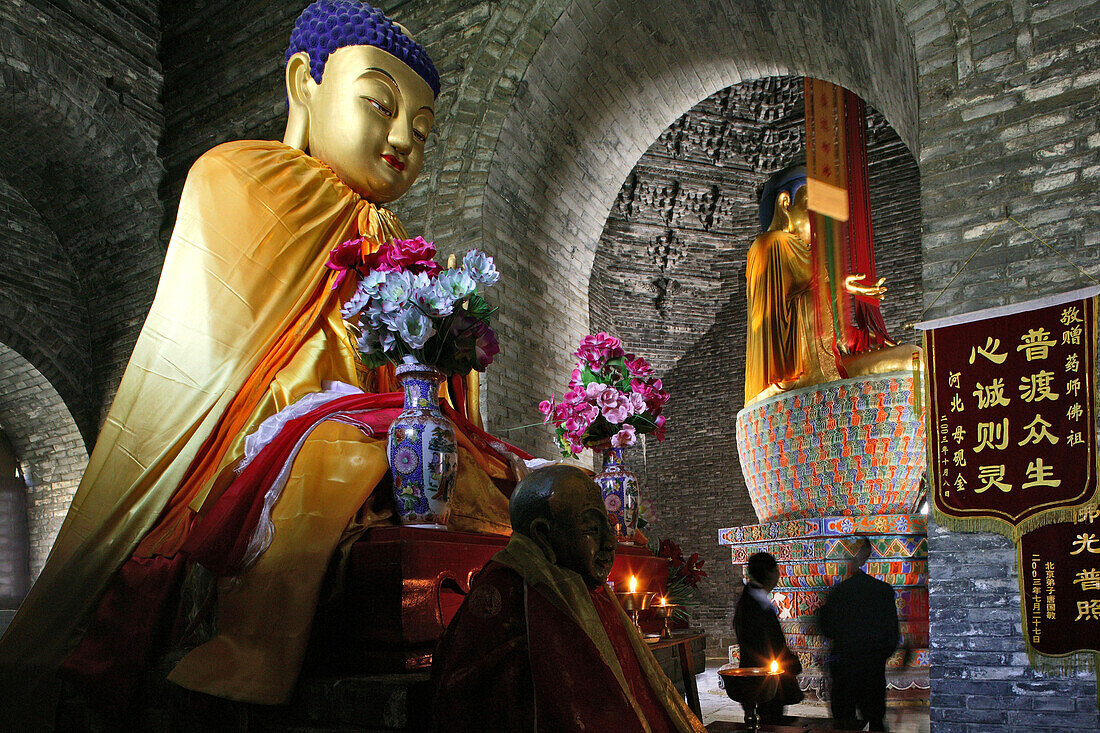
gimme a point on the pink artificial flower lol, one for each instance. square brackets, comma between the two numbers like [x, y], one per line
[596, 349]
[575, 378]
[430, 267]
[546, 407]
[654, 396]
[626, 437]
[595, 389]
[609, 398]
[638, 367]
[619, 411]
[414, 250]
[385, 259]
[344, 258]
[637, 403]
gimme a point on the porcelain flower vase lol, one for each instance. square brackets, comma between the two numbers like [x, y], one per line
[421, 449]
[620, 493]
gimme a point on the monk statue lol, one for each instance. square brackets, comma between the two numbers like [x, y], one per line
[789, 344]
[245, 326]
[540, 643]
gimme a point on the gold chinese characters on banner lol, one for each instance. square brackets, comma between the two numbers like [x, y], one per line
[1059, 568]
[1011, 415]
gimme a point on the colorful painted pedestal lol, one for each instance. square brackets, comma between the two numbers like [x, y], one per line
[813, 555]
[823, 465]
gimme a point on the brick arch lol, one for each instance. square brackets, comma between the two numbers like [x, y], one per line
[86, 164]
[46, 442]
[601, 86]
[43, 310]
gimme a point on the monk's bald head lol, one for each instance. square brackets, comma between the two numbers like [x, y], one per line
[562, 510]
[548, 491]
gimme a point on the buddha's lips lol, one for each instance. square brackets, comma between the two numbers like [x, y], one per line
[392, 160]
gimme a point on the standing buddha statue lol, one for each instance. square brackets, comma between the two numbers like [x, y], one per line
[789, 343]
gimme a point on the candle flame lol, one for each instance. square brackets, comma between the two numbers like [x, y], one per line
[662, 600]
[633, 584]
[774, 668]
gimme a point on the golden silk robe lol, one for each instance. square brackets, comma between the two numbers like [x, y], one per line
[244, 322]
[782, 345]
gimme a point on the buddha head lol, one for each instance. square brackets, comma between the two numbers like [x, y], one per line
[561, 509]
[361, 96]
[783, 203]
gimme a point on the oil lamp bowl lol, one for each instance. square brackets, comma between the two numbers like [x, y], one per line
[664, 611]
[750, 685]
[636, 601]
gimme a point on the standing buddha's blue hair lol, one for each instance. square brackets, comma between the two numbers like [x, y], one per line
[790, 179]
[328, 25]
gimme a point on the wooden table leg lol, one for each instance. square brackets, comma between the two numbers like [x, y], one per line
[687, 664]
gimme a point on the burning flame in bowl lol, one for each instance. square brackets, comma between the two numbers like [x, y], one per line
[774, 668]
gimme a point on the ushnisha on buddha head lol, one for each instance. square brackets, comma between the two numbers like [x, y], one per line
[361, 95]
[562, 510]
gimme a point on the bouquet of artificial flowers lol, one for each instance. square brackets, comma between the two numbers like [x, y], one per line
[410, 306]
[613, 396]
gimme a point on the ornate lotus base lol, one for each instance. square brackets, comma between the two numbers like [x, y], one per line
[813, 555]
[854, 446]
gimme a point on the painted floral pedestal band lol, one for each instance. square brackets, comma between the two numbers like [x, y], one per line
[854, 446]
[421, 449]
[619, 487]
[813, 556]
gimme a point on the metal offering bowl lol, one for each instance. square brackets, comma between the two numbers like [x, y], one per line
[665, 612]
[750, 686]
[636, 601]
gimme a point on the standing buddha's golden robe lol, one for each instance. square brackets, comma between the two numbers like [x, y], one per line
[782, 344]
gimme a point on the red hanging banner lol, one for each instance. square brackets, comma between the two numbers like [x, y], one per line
[1011, 415]
[1059, 568]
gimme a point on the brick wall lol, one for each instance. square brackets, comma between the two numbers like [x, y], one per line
[82, 122]
[1009, 96]
[49, 448]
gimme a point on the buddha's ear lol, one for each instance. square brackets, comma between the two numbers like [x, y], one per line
[539, 531]
[300, 88]
[781, 218]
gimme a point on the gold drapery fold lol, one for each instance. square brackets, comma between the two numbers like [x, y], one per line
[243, 323]
[782, 343]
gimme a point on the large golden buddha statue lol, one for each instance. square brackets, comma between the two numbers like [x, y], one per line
[790, 343]
[245, 323]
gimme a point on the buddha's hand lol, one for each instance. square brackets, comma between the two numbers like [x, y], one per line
[852, 285]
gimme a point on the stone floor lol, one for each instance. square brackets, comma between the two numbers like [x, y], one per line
[903, 718]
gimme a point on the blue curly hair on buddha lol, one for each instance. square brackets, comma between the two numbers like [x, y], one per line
[329, 25]
[788, 180]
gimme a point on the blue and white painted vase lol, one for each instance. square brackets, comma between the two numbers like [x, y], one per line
[620, 493]
[421, 448]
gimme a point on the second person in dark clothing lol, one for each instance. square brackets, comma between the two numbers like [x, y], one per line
[760, 637]
[861, 618]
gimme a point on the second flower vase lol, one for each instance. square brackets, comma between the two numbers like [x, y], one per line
[421, 449]
[619, 487]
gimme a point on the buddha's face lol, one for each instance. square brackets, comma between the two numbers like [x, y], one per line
[369, 119]
[800, 215]
[580, 533]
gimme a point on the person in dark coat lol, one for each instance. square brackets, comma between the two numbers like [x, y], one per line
[760, 637]
[861, 619]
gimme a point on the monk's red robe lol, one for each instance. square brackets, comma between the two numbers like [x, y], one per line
[520, 655]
